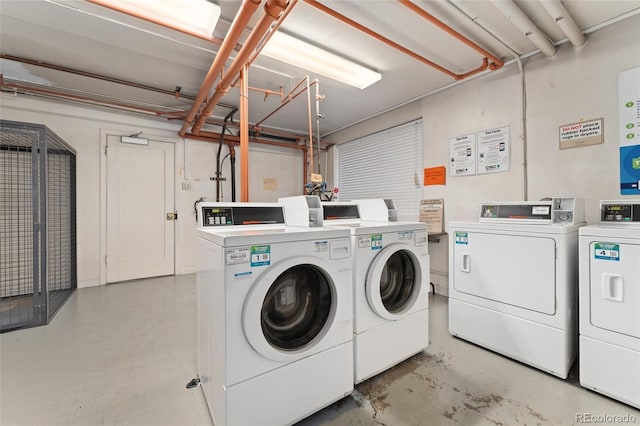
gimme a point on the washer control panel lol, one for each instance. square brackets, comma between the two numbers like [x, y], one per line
[242, 215]
[216, 216]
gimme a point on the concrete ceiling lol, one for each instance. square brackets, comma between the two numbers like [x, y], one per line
[83, 36]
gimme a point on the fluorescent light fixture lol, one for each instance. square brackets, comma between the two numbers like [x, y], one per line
[193, 15]
[296, 52]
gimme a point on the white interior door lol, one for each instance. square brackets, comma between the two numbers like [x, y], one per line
[140, 194]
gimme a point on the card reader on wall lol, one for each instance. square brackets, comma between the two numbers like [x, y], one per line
[551, 211]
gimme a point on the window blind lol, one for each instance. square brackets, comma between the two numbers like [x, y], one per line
[387, 164]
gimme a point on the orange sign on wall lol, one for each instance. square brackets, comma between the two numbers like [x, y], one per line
[435, 175]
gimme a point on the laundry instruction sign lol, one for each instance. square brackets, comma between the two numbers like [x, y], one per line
[260, 255]
[606, 251]
[486, 151]
[581, 134]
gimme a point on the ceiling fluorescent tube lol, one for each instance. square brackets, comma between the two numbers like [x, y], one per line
[528, 28]
[565, 21]
[296, 52]
[194, 15]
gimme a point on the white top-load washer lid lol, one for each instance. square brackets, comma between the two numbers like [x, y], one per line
[213, 215]
[340, 213]
[302, 210]
[374, 209]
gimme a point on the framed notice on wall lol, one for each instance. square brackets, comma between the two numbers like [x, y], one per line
[494, 150]
[462, 152]
[582, 133]
[432, 212]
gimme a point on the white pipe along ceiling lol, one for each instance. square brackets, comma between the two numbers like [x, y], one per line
[564, 21]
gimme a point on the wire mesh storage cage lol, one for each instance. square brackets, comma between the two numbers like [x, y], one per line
[38, 270]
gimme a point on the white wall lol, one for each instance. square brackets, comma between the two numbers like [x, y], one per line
[84, 130]
[575, 85]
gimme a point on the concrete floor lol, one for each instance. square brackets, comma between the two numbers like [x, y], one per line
[122, 354]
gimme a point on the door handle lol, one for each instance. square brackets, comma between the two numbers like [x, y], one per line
[612, 287]
[466, 263]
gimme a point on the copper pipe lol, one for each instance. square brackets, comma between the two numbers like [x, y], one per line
[273, 30]
[257, 129]
[173, 114]
[310, 126]
[273, 9]
[235, 140]
[247, 9]
[266, 92]
[92, 75]
[206, 136]
[379, 37]
[162, 23]
[268, 36]
[288, 98]
[484, 66]
[275, 132]
[497, 62]
[102, 77]
[304, 170]
[71, 96]
[244, 133]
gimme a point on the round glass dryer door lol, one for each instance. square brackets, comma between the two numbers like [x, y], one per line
[296, 307]
[393, 282]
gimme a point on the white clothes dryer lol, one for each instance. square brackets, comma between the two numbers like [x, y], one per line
[274, 315]
[513, 281]
[390, 286]
[610, 302]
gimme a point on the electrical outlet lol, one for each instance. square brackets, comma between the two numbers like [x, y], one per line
[186, 186]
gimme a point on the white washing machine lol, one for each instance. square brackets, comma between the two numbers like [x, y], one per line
[610, 302]
[513, 281]
[391, 285]
[274, 315]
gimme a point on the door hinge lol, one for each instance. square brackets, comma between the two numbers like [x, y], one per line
[105, 260]
[105, 149]
[172, 216]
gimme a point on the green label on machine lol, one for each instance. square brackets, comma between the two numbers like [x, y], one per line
[260, 255]
[606, 251]
[376, 242]
[462, 237]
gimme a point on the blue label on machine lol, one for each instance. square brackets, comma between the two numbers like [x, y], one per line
[260, 255]
[606, 251]
[376, 242]
[462, 238]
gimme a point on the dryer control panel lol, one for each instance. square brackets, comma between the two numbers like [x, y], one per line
[620, 212]
[552, 211]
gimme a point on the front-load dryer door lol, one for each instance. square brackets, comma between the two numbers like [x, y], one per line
[517, 270]
[290, 308]
[394, 281]
[613, 287]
